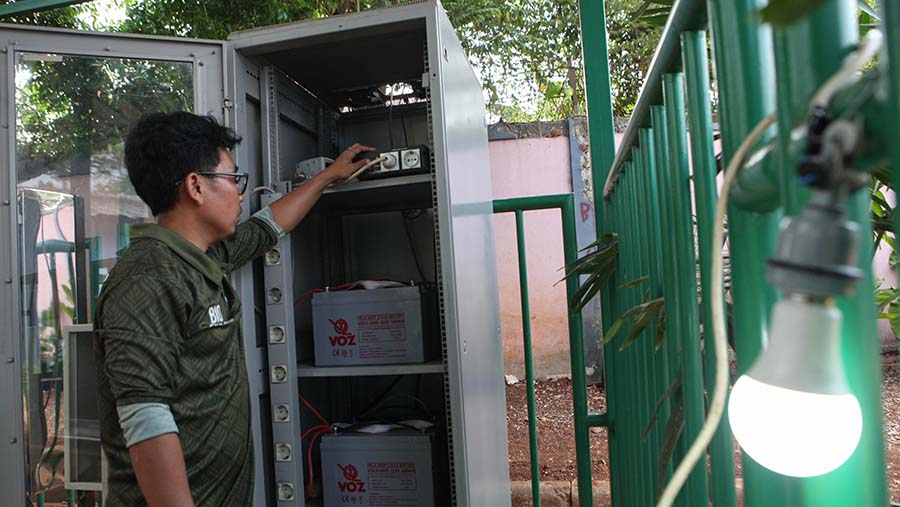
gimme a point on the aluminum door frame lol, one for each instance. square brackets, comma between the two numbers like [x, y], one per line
[209, 93]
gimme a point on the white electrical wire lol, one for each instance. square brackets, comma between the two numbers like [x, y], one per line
[868, 48]
[363, 168]
[262, 189]
[846, 75]
[717, 406]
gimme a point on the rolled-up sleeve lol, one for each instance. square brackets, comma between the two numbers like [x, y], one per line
[143, 421]
[251, 239]
[265, 215]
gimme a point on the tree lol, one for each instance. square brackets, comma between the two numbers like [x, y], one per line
[528, 53]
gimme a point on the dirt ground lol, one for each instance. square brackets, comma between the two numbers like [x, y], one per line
[556, 433]
[556, 442]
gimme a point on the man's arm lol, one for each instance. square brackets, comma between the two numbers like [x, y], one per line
[159, 466]
[293, 207]
[286, 213]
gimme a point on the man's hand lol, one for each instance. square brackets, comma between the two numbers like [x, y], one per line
[290, 209]
[343, 166]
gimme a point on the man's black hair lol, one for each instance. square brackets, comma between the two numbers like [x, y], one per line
[162, 148]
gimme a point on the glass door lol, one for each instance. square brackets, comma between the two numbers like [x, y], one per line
[69, 99]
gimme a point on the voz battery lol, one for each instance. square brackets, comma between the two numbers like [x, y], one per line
[377, 326]
[383, 470]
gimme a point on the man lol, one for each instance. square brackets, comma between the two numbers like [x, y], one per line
[174, 397]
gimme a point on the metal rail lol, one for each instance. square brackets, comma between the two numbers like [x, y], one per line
[651, 185]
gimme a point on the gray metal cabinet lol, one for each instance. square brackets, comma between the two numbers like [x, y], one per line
[389, 78]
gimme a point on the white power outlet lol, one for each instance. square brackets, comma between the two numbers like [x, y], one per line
[411, 159]
[390, 162]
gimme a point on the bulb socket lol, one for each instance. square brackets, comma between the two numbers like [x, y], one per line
[817, 251]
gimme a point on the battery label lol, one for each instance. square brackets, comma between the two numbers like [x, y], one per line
[383, 485]
[382, 335]
[392, 484]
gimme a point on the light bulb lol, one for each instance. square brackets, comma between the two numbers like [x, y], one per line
[793, 412]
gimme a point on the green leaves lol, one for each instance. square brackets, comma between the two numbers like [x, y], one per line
[783, 13]
[653, 12]
[642, 315]
[599, 265]
[887, 304]
[674, 428]
[867, 10]
[635, 283]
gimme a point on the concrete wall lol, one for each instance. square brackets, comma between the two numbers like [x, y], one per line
[519, 168]
[536, 159]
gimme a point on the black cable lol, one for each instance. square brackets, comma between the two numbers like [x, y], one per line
[415, 399]
[381, 396]
[403, 124]
[412, 247]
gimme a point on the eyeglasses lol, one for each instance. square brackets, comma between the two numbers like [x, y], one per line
[240, 179]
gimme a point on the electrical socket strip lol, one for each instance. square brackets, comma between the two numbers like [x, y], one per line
[400, 161]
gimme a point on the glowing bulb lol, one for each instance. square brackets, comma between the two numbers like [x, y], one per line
[793, 412]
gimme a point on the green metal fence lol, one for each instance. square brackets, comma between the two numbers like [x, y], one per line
[653, 189]
[645, 194]
[583, 419]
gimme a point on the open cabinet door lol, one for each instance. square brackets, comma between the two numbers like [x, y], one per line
[67, 99]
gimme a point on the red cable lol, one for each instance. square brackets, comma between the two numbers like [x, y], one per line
[310, 430]
[306, 294]
[309, 461]
[313, 291]
[314, 411]
[318, 430]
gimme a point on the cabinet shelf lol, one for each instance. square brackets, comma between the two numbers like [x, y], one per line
[395, 181]
[413, 191]
[309, 370]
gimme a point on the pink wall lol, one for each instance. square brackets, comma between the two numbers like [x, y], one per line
[519, 168]
[522, 168]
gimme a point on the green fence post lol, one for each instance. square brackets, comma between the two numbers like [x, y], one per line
[696, 69]
[652, 224]
[576, 344]
[626, 389]
[686, 308]
[602, 134]
[669, 281]
[745, 77]
[529, 360]
[644, 345]
[807, 54]
[890, 23]
[618, 466]
[624, 470]
[608, 312]
[599, 93]
[637, 394]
